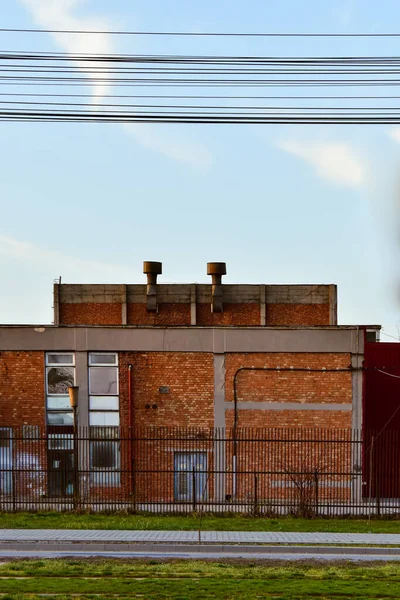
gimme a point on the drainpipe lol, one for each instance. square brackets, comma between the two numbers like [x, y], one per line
[130, 427]
[235, 403]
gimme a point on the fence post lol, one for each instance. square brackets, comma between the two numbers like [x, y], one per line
[75, 467]
[377, 495]
[316, 483]
[255, 494]
[194, 488]
[370, 475]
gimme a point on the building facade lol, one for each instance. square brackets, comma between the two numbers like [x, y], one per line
[183, 356]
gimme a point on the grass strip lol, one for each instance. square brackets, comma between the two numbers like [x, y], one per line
[179, 580]
[55, 520]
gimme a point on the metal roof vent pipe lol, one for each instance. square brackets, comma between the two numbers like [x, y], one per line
[216, 270]
[152, 269]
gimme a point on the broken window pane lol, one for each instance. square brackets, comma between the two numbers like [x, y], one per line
[59, 379]
[103, 381]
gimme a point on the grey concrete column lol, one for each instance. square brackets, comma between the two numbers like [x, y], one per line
[83, 448]
[124, 318]
[193, 304]
[219, 424]
[332, 304]
[357, 422]
[56, 304]
[82, 379]
[263, 308]
[357, 387]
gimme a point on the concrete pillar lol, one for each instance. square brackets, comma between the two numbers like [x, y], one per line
[219, 424]
[124, 318]
[357, 358]
[193, 304]
[263, 307]
[332, 304]
[56, 304]
[82, 380]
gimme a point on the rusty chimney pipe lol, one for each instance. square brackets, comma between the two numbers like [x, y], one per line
[216, 270]
[152, 269]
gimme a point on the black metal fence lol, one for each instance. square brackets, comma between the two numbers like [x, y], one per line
[299, 471]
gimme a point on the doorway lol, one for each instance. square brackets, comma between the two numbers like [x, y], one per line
[60, 464]
[190, 476]
[6, 461]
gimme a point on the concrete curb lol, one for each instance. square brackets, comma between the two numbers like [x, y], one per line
[94, 547]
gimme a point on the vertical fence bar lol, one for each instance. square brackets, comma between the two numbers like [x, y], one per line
[306, 471]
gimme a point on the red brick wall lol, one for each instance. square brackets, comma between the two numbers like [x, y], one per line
[291, 418]
[234, 314]
[173, 314]
[168, 314]
[90, 313]
[22, 393]
[286, 386]
[297, 314]
[190, 378]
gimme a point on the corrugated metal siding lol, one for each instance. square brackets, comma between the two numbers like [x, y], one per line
[381, 413]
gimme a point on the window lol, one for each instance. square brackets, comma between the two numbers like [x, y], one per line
[62, 441]
[60, 375]
[102, 359]
[103, 389]
[105, 455]
[6, 460]
[103, 380]
[104, 418]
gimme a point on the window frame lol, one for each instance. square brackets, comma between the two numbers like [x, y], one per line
[103, 364]
[51, 365]
[105, 476]
[116, 393]
[60, 364]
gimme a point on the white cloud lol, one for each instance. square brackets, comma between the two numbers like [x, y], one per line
[334, 161]
[178, 149]
[61, 263]
[395, 134]
[61, 14]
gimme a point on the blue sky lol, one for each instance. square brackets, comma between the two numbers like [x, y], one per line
[279, 204]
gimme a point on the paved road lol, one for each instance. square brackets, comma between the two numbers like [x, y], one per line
[174, 537]
[202, 555]
[54, 543]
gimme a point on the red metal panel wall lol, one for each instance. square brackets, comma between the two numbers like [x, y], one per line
[381, 392]
[381, 420]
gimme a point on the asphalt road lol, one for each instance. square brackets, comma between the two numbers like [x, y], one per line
[176, 554]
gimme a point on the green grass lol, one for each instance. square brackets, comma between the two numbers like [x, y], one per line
[54, 520]
[178, 580]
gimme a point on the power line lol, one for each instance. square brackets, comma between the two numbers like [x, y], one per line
[202, 34]
[38, 71]
[391, 336]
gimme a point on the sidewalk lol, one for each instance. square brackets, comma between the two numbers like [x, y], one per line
[192, 537]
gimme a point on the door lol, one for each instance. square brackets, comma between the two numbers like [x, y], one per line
[190, 476]
[6, 462]
[60, 464]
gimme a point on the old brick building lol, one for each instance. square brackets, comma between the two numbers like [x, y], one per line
[190, 355]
